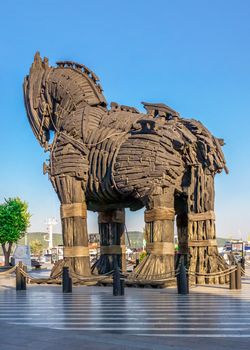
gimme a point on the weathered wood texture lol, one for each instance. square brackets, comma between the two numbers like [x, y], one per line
[74, 228]
[204, 258]
[112, 241]
[120, 158]
[159, 232]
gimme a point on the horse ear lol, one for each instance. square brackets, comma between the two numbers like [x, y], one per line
[45, 62]
[37, 64]
[37, 60]
[37, 57]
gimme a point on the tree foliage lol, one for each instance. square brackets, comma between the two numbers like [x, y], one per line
[14, 221]
[36, 247]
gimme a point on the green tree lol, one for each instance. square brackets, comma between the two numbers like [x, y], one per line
[36, 247]
[14, 221]
[142, 256]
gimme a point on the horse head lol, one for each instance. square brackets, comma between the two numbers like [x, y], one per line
[36, 102]
[53, 93]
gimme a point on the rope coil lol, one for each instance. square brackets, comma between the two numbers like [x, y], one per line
[75, 251]
[207, 215]
[160, 214]
[160, 248]
[73, 210]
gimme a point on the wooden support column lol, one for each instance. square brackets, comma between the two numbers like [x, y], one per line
[74, 223]
[159, 227]
[112, 241]
[202, 244]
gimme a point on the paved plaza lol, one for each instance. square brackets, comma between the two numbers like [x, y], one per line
[42, 317]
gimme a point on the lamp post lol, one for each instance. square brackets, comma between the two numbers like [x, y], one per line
[50, 223]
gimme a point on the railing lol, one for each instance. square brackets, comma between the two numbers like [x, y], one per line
[67, 276]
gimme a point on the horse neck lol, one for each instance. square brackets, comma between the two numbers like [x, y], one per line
[60, 93]
[73, 96]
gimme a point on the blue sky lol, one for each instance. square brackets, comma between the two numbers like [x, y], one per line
[191, 55]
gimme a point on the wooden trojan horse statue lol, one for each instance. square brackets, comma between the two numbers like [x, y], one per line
[106, 160]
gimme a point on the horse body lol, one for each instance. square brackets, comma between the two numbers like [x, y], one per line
[121, 158]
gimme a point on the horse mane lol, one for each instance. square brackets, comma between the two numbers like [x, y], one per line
[88, 74]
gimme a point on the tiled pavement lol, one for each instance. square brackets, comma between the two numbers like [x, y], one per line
[143, 314]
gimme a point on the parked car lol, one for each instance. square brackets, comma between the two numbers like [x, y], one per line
[35, 263]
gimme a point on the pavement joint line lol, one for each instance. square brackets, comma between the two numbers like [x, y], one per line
[169, 314]
[141, 323]
[151, 302]
[116, 317]
[125, 322]
[194, 335]
[117, 309]
[151, 328]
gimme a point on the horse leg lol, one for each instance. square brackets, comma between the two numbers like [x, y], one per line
[200, 228]
[74, 222]
[159, 227]
[112, 241]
